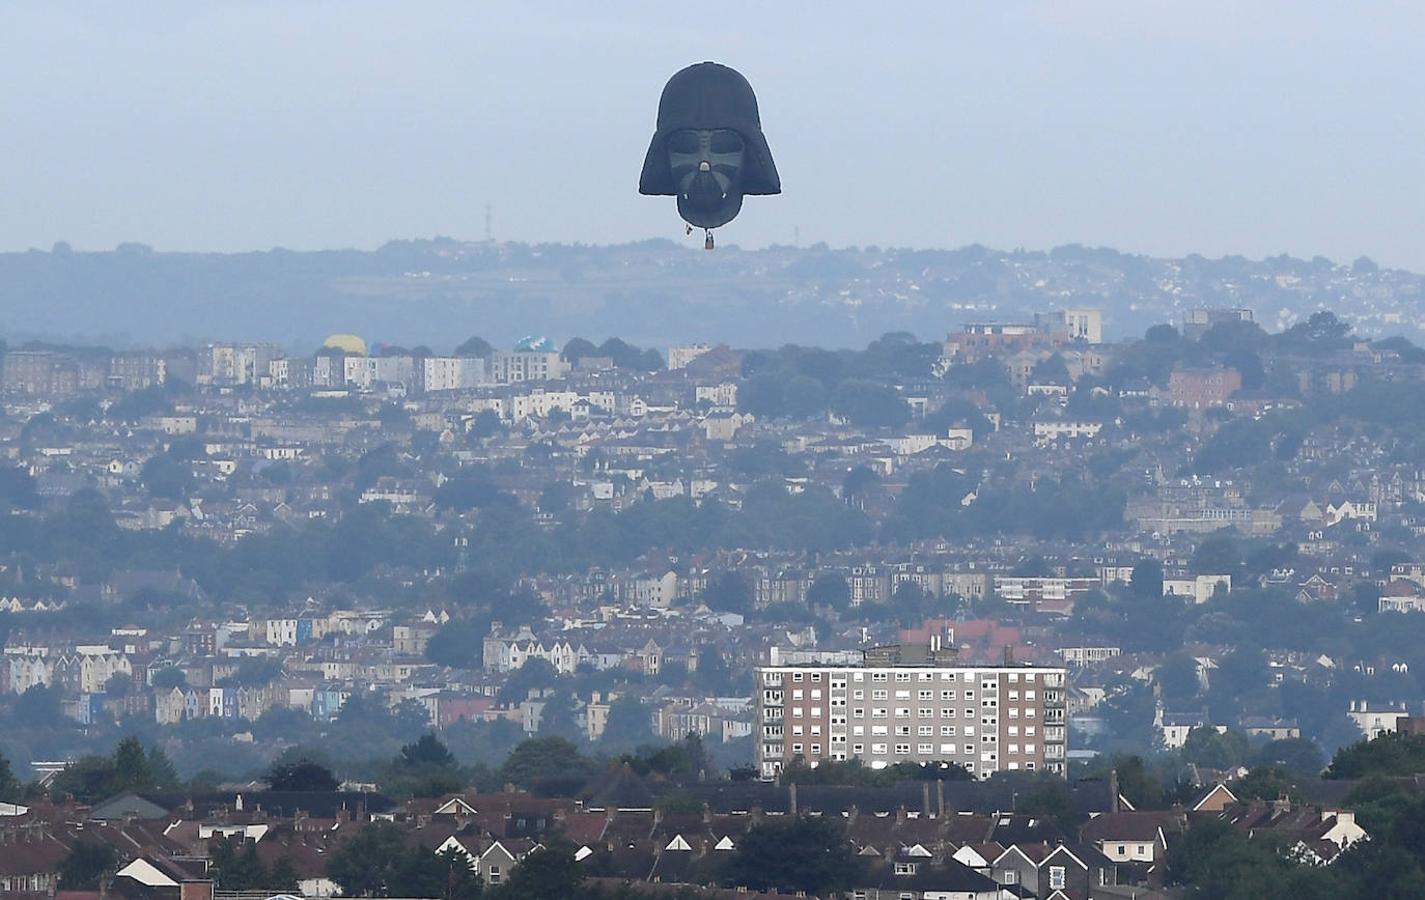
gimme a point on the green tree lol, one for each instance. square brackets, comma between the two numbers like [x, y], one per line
[543, 761]
[1264, 783]
[557, 718]
[283, 875]
[301, 775]
[1205, 746]
[1147, 579]
[809, 855]
[37, 707]
[870, 405]
[237, 865]
[10, 787]
[1178, 679]
[459, 643]
[457, 875]
[535, 674]
[729, 591]
[548, 873]
[131, 768]
[628, 725]
[1218, 554]
[427, 751]
[830, 589]
[1392, 753]
[87, 862]
[168, 678]
[1300, 756]
[368, 864]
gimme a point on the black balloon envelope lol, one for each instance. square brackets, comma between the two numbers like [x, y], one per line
[709, 150]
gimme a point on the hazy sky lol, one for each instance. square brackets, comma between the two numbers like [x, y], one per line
[1214, 126]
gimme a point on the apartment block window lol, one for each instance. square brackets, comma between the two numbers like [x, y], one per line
[815, 749]
[902, 676]
[816, 676]
[858, 749]
[947, 748]
[925, 712]
[796, 676]
[902, 712]
[902, 749]
[796, 748]
[796, 731]
[903, 730]
[797, 694]
[947, 695]
[903, 695]
[927, 695]
[1056, 878]
[925, 748]
[858, 712]
[1029, 695]
[858, 695]
[947, 713]
[926, 730]
[947, 730]
[858, 676]
[1013, 677]
[878, 713]
[815, 711]
[878, 748]
[796, 711]
[880, 729]
[879, 676]
[879, 694]
[1029, 748]
[816, 693]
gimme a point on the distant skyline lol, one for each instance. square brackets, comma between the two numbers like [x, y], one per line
[1165, 128]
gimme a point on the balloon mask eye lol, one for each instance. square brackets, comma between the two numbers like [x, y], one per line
[720, 148]
[706, 166]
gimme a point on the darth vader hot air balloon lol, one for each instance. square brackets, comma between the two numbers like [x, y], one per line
[709, 150]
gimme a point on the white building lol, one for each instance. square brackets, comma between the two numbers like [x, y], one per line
[1197, 588]
[679, 357]
[510, 367]
[452, 373]
[1051, 431]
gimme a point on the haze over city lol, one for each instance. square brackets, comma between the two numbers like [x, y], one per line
[1163, 127]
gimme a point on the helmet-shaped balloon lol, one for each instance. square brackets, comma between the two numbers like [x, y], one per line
[709, 150]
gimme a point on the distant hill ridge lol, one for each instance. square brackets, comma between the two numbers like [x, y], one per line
[655, 292]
